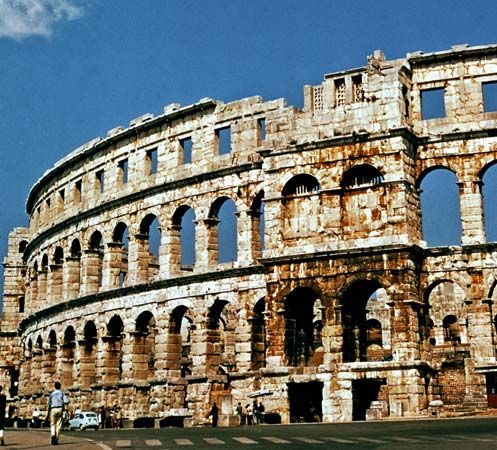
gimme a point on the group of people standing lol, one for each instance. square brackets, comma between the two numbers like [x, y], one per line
[251, 414]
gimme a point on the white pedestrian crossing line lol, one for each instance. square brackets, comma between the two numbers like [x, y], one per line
[153, 442]
[403, 439]
[436, 438]
[244, 440]
[183, 442]
[214, 441]
[373, 441]
[338, 440]
[308, 440]
[276, 440]
[123, 443]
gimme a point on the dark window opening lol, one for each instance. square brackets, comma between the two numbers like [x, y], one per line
[363, 393]
[357, 89]
[433, 103]
[405, 98]
[340, 92]
[305, 402]
[21, 304]
[77, 191]
[100, 179]
[489, 91]
[451, 330]
[22, 246]
[223, 136]
[152, 161]
[261, 127]
[123, 171]
[48, 204]
[186, 147]
[301, 185]
[362, 175]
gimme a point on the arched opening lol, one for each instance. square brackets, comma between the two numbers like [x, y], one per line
[258, 335]
[74, 270]
[36, 364]
[451, 330]
[144, 347]
[301, 184]
[223, 231]
[300, 332]
[68, 353]
[114, 355]
[56, 270]
[446, 301]
[363, 308]
[22, 246]
[119, 255]
[42, 281]
[88, 354]
[258, 225]
[94, 263]
[179, 362]
[217, 333]
[360, 176]
[489, 193]
[183, 237]
[301, 207]
[149, 241]
[440, 208]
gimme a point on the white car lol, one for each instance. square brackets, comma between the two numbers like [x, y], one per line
[83, 420]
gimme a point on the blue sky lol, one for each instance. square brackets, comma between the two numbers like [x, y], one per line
[72, 69]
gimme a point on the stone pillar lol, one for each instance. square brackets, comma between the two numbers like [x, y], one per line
[91, 271]
[36, 370]
[245, 238]
[42, 289]
[171, 263]
[87, 372]
[54, 294]
[71, 278]
[471, 204]
[112, 265]
[405, 330]
[112, 361]
[25, 375]
[139, 357]
[67, 364]
[48, 368]
[206, 253]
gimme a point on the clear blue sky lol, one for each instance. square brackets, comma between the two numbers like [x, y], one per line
[72, 69]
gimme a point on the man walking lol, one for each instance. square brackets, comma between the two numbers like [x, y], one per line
[56, 402]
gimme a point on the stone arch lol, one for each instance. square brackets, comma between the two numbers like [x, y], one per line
[113, 353]
[301, 184]
[144, 356]
[299, 316]
[73, 262]
[355, 300]
[488, 189]
[178, 360]
[149, 242]
[68, 356]
[440, 208]
[94, 262]
[361, 175]
[56, 271]
[223, 231]
[216, 336]
[446, 298]
[258, 335]
[88, 354]
[183, 242]
[256, 214]
[118, 251]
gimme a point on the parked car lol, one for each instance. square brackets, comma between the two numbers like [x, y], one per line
[83, 420]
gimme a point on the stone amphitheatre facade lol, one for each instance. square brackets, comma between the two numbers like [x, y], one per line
[129, 287]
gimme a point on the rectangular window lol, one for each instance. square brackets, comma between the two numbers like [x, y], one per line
[77, 191]
[261, 128]
[432, 103]
[49, 204]
[489, 96]
[152, 162]
[100, 180]
[186, 148]
[340, 92]
[357, 89]
[223, 136]
[123, 171]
